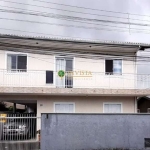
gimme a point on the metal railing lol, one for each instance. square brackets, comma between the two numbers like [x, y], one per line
[94, 80]
[19, 131]
[18, 127]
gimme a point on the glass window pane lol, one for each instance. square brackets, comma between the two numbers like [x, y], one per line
[64, 108]
[112, 108]
[117, 66]
[69, 65]
[11, 62]
[22, 63]
[8, 62]
[68, 77]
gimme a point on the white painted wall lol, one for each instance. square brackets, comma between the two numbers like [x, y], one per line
[84, 104]
[37, 65]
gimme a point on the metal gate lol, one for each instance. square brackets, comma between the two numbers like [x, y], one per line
[18, 132]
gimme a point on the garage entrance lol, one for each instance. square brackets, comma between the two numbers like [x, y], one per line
[143, 105]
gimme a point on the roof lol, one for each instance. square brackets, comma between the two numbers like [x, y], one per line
[85, 45]
[74, 40]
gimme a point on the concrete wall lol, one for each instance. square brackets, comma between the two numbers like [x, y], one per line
[37, 64]
[97, 131]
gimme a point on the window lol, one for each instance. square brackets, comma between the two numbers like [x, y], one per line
[17, 62]
[49, 77]
[64, 108]
[113, 66]
[112, 108]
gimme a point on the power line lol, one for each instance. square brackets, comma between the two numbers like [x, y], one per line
[105, 21]
[101, 24]
[72, 17]
[68, 10]
[74, 11]
[75, 26]
[59, 24]
[67, 19]
[125, 13]
[78, 18]
[90, 23]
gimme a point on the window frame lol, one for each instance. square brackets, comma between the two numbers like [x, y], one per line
[112, 73]
[15, 53]
[111, 103]
[72, 103]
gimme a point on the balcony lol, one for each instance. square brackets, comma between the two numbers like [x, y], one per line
[20, 78]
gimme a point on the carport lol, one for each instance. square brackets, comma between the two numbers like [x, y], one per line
[19, 125]
[143, 104]
[30, 105]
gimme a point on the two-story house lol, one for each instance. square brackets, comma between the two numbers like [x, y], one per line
[71, 76]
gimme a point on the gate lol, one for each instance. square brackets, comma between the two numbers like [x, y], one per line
[18, 132]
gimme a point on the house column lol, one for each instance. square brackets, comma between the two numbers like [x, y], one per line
[14, 108]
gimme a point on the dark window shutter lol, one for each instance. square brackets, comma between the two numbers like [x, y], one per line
[109, 66]
[49, 76]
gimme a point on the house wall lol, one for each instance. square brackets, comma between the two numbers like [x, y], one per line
[34, 61]
[99, 79]
[84, 104]
[37, 65]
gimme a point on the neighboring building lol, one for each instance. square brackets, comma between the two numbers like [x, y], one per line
[70, 76]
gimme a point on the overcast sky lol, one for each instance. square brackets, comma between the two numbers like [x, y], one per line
[141, 7]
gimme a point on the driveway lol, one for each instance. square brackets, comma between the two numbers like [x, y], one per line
[19, 145]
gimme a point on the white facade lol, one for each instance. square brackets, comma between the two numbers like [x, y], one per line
[38, 64]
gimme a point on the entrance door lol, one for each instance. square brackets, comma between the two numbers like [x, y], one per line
[64, 64]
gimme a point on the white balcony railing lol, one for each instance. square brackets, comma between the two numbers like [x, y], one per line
[96, 80]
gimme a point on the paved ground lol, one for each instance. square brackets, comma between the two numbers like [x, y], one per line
[19, 145]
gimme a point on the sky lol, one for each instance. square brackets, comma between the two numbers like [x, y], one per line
[55, 26]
